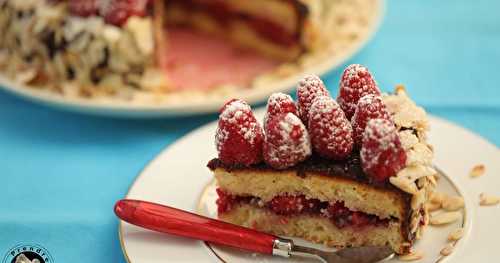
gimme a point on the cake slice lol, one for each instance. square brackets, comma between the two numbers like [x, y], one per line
[334, 190]
[115, 47]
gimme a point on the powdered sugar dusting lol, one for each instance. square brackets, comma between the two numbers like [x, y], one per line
[279, 103]
[356, 82]
[310, 87]
[239, 137]
[302, 145]
[382, 134]
[331, 132]
[238, 111]
[369, 107]
[287, 142]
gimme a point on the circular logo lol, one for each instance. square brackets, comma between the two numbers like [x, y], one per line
[28, 253]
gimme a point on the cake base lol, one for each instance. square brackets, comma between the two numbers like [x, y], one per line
[317, 229]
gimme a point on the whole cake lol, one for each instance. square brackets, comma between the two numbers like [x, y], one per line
[90, 48]
[353, 171]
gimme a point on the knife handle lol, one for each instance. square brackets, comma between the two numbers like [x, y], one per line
[173, 221]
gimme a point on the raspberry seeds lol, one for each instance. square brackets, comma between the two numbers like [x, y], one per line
[239, 136]
[331, 132]
[287, 141]
[382, 155]
[355, 83]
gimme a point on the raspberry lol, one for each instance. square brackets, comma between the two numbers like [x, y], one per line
[289, 205]
[359, 219]
[239, 136]
[83, 8]
[279, 103]
[117, 12]
[287, 141]
[310, 87]
[369, 107]
[330, 131]
[356, 82]
[225, 201]
[382, 155]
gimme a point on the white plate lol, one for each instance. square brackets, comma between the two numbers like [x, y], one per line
[178, 177]
[181, 107]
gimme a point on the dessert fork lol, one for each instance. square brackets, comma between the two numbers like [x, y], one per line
[173, 221]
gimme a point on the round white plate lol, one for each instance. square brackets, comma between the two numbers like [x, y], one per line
[182, 107]
[179, 177]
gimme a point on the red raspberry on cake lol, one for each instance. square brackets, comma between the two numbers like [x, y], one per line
[239, 136]
[310, 87]
[117, 12]
[287, 141]
[277, 104]
[356, 82]
[369, 107]
[382, 155]
[330, 130]
[83, 8]
[289, 205]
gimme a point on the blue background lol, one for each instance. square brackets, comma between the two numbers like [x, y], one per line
[61, 172]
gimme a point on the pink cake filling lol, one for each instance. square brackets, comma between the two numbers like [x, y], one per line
[200, 61]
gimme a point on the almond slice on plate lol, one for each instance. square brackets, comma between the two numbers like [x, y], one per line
[452, 203]
[431, 207]
[447, 250]
[415, 255]
[477, 171]
[445, 218]
[486, 200]
[456, 234]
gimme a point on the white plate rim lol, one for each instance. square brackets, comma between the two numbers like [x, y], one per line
[471, 207]
[118, 108]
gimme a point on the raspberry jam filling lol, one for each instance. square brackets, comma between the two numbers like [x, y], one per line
[292, 205]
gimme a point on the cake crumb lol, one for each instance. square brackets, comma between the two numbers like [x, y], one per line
[456, 234]
[477, 171]
[447, 250]
[414, 255]
[488, 200]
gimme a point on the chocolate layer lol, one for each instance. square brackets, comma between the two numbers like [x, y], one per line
[349, 168]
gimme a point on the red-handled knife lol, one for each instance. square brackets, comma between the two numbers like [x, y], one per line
[182, 223]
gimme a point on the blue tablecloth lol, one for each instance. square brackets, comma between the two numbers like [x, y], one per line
[61, 173]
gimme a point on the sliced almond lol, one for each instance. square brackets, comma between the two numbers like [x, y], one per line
[404, 184]
[437, 197]
[427, 218]
[485, 199]
[456, 234]
[400, 88]
[447, 250]
[445, 218]
[432, 179]
[431, 207]
[418, 199]
[477, 171]
[452, 203]
[415, 255]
